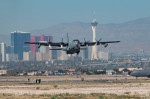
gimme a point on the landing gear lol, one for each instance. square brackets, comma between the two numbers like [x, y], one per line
[136, 77]
[78, 52]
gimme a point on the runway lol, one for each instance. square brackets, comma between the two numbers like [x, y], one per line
[74, 79]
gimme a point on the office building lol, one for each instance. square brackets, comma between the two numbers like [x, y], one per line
[17, 43]
[28, 56]
[39, 56]
[63, 56]
[45, 53]
[105, 55]
[34, 47]
[8, 49]
[85, 54]
[0, 54]
[3, 52]
[11, 57]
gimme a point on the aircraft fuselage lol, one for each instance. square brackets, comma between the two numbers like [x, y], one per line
[73, 47]
[141, 73]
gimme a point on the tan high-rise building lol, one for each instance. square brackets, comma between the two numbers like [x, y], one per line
[28, 56]
[39, 56]
[3, 51]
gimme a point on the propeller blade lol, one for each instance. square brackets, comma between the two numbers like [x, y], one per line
[98, 42]
[100, 39]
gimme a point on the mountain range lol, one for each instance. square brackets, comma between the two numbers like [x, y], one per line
[132, 31]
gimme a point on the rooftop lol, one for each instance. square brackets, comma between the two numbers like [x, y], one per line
[19, 32]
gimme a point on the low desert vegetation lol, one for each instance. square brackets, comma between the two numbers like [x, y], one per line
[70, 96]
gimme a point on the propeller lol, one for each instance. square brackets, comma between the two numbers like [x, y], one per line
[62, 42]
[98, 42]
[85, 42]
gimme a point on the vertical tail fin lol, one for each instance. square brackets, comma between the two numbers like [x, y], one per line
[62, 40]
[48, 38]
[67, 38]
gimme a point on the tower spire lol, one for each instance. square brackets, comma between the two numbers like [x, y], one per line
[94, 48]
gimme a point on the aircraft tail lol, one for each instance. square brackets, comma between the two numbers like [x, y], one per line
[48, 38]
[83, 48]
[63, 49]
[67, 38]
[56, 49]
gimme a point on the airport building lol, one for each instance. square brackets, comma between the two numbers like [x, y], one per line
[17, 43]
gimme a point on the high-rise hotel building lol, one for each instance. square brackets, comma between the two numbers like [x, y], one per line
[17, 43]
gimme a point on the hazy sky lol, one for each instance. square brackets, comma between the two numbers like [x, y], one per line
[28, 15]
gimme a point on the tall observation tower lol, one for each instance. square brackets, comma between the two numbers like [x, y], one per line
[94, 48]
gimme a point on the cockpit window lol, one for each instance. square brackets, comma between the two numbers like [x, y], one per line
[76, 41]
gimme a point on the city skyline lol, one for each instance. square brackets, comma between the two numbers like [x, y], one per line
[39, 17]
[18, 51]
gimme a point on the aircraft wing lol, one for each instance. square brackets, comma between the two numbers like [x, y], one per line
[96, 43]
[44, 43]
[32, 42]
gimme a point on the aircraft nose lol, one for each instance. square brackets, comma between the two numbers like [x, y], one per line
[129, 72]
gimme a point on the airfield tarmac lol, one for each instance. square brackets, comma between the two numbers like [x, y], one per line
[111, 84]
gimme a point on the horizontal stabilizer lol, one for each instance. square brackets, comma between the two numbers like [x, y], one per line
[56, 49]
[83, 48]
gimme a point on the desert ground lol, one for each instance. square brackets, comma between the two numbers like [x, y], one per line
[92, 84]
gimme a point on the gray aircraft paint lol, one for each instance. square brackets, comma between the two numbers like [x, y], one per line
[141, 73]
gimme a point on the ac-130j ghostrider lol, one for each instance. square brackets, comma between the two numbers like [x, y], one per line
[71, 48]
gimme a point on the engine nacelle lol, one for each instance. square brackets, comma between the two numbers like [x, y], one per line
[39, 46]
[105, 45]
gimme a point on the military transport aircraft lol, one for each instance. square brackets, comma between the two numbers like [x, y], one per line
[141, 73]
[71, 48]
